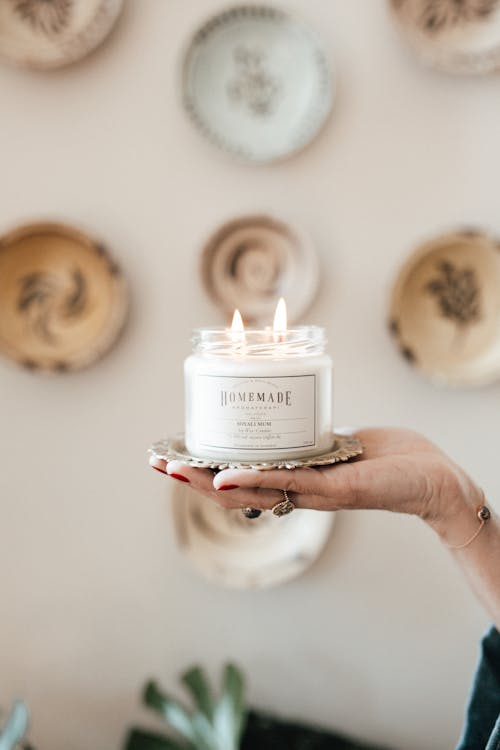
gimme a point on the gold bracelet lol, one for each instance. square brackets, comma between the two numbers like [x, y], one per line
[483, 514]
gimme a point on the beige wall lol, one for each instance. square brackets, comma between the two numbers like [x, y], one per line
[380, 637]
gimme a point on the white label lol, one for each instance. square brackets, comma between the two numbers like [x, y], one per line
[259, 413]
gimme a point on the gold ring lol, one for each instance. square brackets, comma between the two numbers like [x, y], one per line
[285, 506]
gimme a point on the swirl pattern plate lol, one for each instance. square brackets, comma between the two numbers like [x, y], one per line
[63, 299]
[252, 260]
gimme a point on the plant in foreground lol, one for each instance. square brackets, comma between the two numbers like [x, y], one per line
[14, 729]
[214, 723]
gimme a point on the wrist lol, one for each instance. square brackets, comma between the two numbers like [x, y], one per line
[454, 517]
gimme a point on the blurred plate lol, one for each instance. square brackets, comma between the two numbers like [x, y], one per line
[44, 34]
[445, 309]
[63, 299]
[257, 82]
[251, 261]
[458, 37]
[237, 552]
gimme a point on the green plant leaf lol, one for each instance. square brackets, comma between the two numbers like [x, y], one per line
[196, 728]
[15, 726]
[170, 710]
[140, 739]
[230, 714]
[196, 682]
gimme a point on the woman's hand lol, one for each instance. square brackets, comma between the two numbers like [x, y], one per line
[399, 471]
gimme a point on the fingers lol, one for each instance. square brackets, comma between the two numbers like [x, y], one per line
[341, 482]
[328, 488]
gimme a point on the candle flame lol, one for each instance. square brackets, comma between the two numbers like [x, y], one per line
[280, 317]
[237, 324]
[237, 329]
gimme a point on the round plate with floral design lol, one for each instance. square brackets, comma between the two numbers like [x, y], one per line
[445, 309]
[231, 550]
[250, 261]
[457, 37]
[256, 81]
[345, 447]
[63, 299]
[44, 34]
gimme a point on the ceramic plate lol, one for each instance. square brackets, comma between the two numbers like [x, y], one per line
[62, 298]
[252, 261]
[458, 37]
[257, 83]
[44, 34]
[237, 552]
[445, 309]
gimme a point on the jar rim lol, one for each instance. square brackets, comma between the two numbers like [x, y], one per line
[260, 342]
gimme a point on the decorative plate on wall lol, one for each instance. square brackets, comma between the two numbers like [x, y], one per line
[252, 260]
[43, 34]
[445, 309]
[256, 81]
[458, 37]
[237, 552]
[63, 299]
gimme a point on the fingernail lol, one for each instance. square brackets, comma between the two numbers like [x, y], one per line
[228, 487]
[159, 464]
[179, 477]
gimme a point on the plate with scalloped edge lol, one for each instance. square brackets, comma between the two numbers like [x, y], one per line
[233, 551]
[445, 309]
[257, 82]
[42, 35]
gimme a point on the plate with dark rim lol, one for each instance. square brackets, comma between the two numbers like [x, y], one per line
[42, 35]
[445, 309]
[456, 37]
[63, 299]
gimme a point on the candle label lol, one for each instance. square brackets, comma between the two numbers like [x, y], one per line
[256, 413]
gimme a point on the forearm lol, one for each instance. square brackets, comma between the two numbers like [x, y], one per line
[479, 560]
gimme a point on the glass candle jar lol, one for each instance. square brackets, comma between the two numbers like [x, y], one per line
[258, 395]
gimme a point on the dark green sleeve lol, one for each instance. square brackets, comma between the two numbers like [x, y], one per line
[482, 729]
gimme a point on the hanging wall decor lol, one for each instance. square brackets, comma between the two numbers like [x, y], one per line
[44, 34]
[457, 37]
[257, 82]
[63, 299]
[234, 551]
[445, 309]
[252, 260]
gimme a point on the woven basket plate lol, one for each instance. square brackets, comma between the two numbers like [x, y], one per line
[252, 260]
[445, 309]
[63, 299]
[41, 35]
[457, 37]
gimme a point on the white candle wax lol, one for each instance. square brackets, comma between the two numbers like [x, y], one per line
[258, 395]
